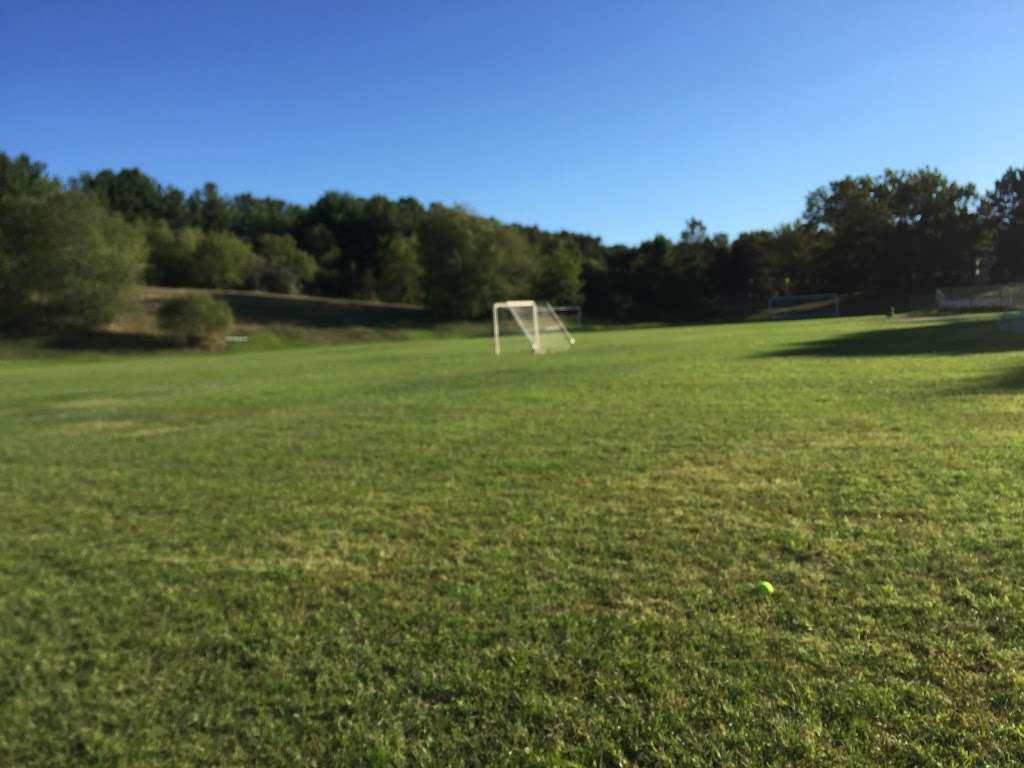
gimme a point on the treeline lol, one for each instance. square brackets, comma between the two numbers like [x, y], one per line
[341, 245]
[897, 233]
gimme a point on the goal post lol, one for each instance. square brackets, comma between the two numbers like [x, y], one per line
[538, 323]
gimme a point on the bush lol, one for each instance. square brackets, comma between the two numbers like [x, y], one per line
[197, 319]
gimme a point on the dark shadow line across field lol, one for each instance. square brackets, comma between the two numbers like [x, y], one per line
[110, 343]
[945, 338]
[310, 312]
[948, 338]
[1009, 382]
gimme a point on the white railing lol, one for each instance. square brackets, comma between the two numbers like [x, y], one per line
[1006, 296]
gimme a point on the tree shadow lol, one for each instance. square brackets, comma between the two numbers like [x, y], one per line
[109, 343]
[257, 309]
[1011, 382]
[931, 338]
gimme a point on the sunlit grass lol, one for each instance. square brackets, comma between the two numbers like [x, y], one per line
[416, 553]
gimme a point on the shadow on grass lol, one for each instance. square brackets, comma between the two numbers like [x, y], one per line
[109, 343]
[1011, 382]
[314, 313]
[934, 338]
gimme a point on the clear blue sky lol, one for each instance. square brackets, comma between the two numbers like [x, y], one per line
[620, 119]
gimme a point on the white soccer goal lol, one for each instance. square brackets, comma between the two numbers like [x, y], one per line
[797, 305]
[538, 323]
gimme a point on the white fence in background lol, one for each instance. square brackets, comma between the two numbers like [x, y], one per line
[1005, 296]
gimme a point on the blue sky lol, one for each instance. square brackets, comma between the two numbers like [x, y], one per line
[619, 119]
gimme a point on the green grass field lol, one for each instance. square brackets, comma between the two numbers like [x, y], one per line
[413, 553]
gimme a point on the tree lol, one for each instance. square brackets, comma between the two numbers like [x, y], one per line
[1004, 212]
[934, 237]
[208, 209]
[255, 216]
[67, 264]
[738, 270]
[853, 218]
[282, 266]
[471, 262]
[129, 192]
[22, 177]
[456, 269]
[793, 264]
[400, 269]
[221, 260]
[511, 262]
[318, 240]
[172, 253]
[560, 276]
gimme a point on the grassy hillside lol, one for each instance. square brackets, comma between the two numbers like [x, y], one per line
[419, 554]
[268, 320]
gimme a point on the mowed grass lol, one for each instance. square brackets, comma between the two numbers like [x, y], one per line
[414, 553]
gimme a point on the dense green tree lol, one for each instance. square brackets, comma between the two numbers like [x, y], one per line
[66, 263]
[513, 265]
[252, 216]
[129, 192]
[742, 270]
[898, 232]
[793, 265]
[1004, 212]
[934, 237]
[22, 177]
[853, 218]
[560, 279]
[172, 253]
[221, 260]
[400, 270]
[281, 265]
[208, 209]
[471, 262]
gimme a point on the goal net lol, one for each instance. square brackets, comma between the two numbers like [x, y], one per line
[799, 305]
[536, 323]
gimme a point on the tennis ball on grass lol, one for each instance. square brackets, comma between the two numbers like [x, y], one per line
[765, 587]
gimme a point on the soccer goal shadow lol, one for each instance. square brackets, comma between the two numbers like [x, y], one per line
[927, 338]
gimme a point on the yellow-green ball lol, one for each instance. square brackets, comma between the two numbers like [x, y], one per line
[765, 587]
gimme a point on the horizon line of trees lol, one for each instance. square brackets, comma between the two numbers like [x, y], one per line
[68, 247]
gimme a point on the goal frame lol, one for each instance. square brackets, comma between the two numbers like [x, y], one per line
[534, 339]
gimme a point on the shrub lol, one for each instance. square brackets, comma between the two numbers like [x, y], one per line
[197, 319]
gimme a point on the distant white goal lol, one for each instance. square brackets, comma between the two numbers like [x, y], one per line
[799, 305]
[539, 324]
